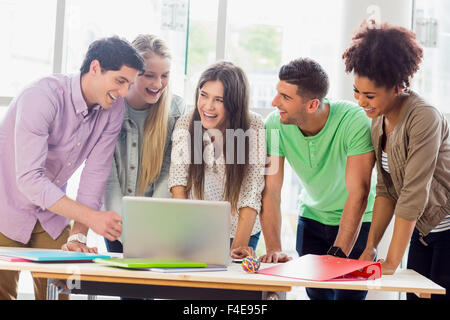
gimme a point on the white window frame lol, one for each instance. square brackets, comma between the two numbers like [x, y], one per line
[222, 16]
[58, 49]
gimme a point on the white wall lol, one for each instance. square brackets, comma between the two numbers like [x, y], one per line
[398, 12]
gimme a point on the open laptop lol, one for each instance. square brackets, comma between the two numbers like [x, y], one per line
[190, 230]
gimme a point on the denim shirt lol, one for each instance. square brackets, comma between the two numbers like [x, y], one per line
[123, 178]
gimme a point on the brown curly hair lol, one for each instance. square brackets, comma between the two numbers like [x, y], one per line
[386, 54]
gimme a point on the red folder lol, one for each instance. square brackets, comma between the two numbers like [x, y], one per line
[325, 268]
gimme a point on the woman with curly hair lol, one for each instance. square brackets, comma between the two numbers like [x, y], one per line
[412, 147]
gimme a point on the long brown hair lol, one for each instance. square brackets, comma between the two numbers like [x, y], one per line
[236, 99]
[155, 129]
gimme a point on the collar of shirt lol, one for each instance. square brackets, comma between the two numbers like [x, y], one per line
[78, 101]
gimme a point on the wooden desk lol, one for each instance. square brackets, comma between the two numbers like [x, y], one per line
[95, 279]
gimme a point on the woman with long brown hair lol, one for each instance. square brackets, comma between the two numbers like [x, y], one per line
[219, 152]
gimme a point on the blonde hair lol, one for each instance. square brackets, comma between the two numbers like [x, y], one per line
[155, 129]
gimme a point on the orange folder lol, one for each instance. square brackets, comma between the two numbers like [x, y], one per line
[325, 268]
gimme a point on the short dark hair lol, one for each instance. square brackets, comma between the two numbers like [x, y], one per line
[386, 54]
[113, 53]
[309, 77]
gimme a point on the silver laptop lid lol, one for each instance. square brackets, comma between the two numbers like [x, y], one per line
[191, 230]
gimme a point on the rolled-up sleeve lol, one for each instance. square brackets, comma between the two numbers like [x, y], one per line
[99, 162]
[180, 155]
[425, 136]
[35, 114]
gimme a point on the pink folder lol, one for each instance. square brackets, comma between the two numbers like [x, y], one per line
[12, 259]
[325, 268]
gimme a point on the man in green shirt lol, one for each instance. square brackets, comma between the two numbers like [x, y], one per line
[328, 145]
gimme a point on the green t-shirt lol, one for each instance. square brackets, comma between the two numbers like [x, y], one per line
[320, 160]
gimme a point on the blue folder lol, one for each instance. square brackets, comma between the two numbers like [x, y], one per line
[53, 255]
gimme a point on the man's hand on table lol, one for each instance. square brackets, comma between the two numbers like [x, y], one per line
[78, 247]
[275, 257]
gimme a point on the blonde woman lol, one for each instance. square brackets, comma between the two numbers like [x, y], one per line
[142, 155]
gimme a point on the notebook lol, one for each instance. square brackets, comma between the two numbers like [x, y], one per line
[325, 268]
[141, 263]
[208, 268]
[51, 255]
[192, 230]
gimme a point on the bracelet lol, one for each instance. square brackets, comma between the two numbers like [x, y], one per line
[81, 238]
[337, 252]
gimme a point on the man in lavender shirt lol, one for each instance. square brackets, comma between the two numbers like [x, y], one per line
[50, 129]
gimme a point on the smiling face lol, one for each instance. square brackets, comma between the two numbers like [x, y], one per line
[150, 86]
[105, 87]
[375, 101]
[291, 106]
[210, 105]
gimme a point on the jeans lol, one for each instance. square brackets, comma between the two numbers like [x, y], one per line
[431, 261]
[316, 238]
[252, 242]
[114, 246]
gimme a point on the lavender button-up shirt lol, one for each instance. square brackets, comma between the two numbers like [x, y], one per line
[45, 136]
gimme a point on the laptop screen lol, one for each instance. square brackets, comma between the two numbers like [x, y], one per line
[193, 230]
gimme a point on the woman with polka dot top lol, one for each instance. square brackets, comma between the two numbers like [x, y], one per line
[219, 153]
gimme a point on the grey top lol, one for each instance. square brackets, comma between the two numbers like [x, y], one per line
[138, 117]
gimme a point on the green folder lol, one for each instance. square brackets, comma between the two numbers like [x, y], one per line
[141, 263]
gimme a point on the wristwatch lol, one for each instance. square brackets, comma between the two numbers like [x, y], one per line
[78, 237]
[337, 252]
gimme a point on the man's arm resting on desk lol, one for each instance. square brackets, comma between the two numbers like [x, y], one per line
[74, 245]
[383, 210]
[358, 175]
[271, 211]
